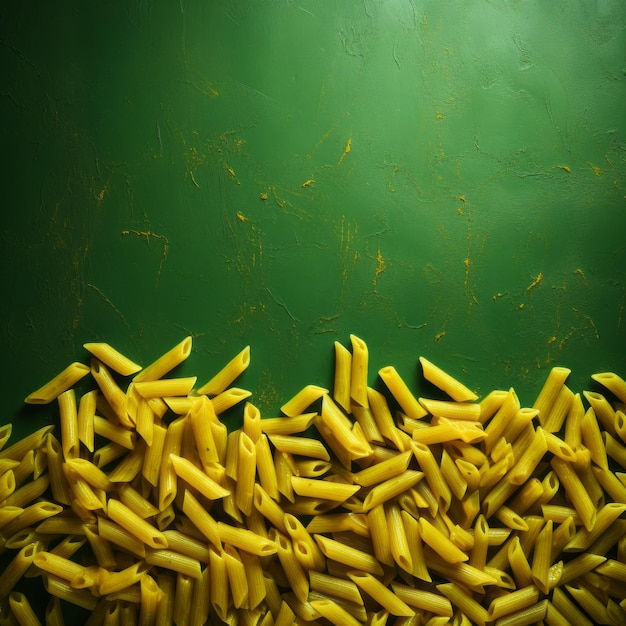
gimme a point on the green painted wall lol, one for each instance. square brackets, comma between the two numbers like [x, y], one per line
[487, 149]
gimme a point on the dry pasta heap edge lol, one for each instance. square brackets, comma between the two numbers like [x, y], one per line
[352, 507]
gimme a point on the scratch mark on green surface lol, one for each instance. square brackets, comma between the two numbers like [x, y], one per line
[108, 301]
[282, 304]
[148, 235]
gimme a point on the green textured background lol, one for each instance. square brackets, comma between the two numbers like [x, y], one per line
[487, 147]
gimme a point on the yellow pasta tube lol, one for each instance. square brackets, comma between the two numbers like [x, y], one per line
[17, 567]
[520, 567]
[61, 589]
[303, 400]
[511, 519]
[68, 416]
[5, 434]
[174, 561]
[237, 577]
[384, 420]
[530, 615]
[605, 517]
[167, 475]
[202, 519]
[54, 614]
[552, 418]
[150, 598]
[398, 540]
[30, 516]
[575, 491]
[112, 358]
[165, 387]
[588, 601]
[333, 586]
[57, 565]
[444, 381]
[384, 596]
[554, 382]
[135, 525]
[385, 470]
[529, 459]
[301, 446]
[592, 438]
[90, 473]
[300, 537]
[614, 383]
[603, 410]
[428, 464]
[416, 548]
[359, 371]
[377, 525]
[294, 573]
[166, 362]
[266, 470]
[7, 484]
[22, 610]
[269, 508]
[581, 565]
[113, 432]
[246, 472]
[334, 613]
[347, 555]
[197, 479]
[228, 374]
[86, 414]
[254, 578]
[167, 586]
[287, 425]
[464, 602]
[365, 419]
[152, 460]
[245, 539]
[144, 420]
[335, 420]
[342, 375]
[323, 489]
[111, 391]
[439, 542]
[391, 488]
[542, 557]
[57, 385]
[423, 600]
[467, 411]
[402, 394]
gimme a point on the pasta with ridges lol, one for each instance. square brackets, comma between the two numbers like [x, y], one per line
[469, 511]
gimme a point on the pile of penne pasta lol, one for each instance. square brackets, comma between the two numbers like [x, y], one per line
[358, 505]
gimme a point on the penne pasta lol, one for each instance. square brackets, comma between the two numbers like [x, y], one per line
[359, 371]
[177, 519]
[135, 525]
[112, 358]
[464, 602]
[227, 375]
[614, 383]
[166, 362]
[381, 594]
[342, 376]
[307, 396]
[197, 479]
[333, 612]
[409, 404]
[439, 542]
[391, 488]
[448, 384]
[63, 381]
